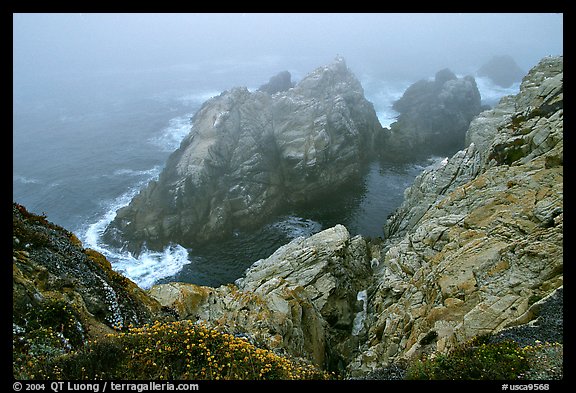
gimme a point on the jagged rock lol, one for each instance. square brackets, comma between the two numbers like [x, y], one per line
[434, 117]
[478, 239]
[502, 70]
[249, 154]
[302, 300]
[476, 248]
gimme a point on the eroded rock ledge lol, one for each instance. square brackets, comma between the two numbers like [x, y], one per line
[302, 300]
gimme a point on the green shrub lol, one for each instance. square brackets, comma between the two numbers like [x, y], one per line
[472, 361]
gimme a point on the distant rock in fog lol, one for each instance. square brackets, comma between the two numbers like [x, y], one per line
[434, 116]
[502, 70]
[249, 154]
[279, 82]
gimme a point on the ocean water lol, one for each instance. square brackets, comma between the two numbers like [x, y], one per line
[83, 146]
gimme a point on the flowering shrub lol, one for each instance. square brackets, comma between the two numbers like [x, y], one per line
[175, 351]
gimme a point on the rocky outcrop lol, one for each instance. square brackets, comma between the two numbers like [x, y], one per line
[480, 239]
[302, 300]
[502, 70]
[64, 294]
[434, 117]
[251, 153]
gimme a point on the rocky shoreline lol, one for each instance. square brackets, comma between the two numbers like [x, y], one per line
[475, 249]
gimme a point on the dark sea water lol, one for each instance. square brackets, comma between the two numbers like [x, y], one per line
[83, 146]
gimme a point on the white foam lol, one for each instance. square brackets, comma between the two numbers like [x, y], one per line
[383, 94]
[360, 317]
[24, 179]
[171, 135]
[148, 173]
[491, 93]
[198, 98]
[150, 266]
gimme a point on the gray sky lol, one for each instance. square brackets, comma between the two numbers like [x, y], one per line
[385, 44]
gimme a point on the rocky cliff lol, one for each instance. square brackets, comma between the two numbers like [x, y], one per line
[475, 249]
[302, 300]
[74, 318]
[251, 153]
[480, 239]
[64, 294]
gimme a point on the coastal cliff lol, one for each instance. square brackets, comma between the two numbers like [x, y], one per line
[475, 250]
[479, 240]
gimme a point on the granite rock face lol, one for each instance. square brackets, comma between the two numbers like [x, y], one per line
[479, 239]
[434, 117]
[249, 154]
[476, 248]
[302, 300]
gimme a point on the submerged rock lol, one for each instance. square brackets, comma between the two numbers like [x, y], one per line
[251, 153]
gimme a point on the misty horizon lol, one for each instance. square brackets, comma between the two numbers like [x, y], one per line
[49, 47]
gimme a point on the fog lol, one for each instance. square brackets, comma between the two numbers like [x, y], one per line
[53, 47]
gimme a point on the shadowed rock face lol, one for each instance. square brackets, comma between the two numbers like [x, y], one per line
[279, 82]
[250, 153]
[53, 275]
[502, 70]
